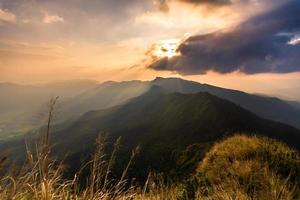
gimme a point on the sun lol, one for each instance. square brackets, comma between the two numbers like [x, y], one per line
[166, 48]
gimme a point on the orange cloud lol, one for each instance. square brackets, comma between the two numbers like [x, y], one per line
[50, 19]
[7, 16]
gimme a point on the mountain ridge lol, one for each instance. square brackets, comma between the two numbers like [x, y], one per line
[112, 93]
[164, 124]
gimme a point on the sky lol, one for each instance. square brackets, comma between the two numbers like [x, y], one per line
[250, 45]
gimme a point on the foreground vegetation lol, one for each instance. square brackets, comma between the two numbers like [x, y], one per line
[243, 167]
[240, 167]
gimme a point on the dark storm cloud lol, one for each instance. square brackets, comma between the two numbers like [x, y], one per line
[261, 44]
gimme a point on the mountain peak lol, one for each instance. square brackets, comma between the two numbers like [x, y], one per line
[158, 78]
[109, 82]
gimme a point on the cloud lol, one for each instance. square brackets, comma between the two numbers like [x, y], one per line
[50, 19]
[211, 2]
[163, 5]
[264, 43]
[295, 40]
[7, 16]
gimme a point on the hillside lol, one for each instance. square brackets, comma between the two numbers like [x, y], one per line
[175, 133]
[244, 167]
[21, 106]
[105, 95]
[164, 125]
[111, 94]
[295, 104]
[266, 107]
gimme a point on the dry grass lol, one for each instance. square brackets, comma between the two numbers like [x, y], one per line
[41, 177]
[243, 167]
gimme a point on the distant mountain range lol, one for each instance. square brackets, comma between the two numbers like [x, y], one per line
[115, 93]
[267, 107]
[21, 106]
[103, 96]
[164, 123]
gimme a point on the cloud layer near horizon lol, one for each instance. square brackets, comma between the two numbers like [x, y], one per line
[265, 43]
[164, 4]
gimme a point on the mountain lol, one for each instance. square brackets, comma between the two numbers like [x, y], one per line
[116, 93]
[103, 96]
[266, 107]
[21, 106]
[164, 124]
[295, 104]
[111, 93]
